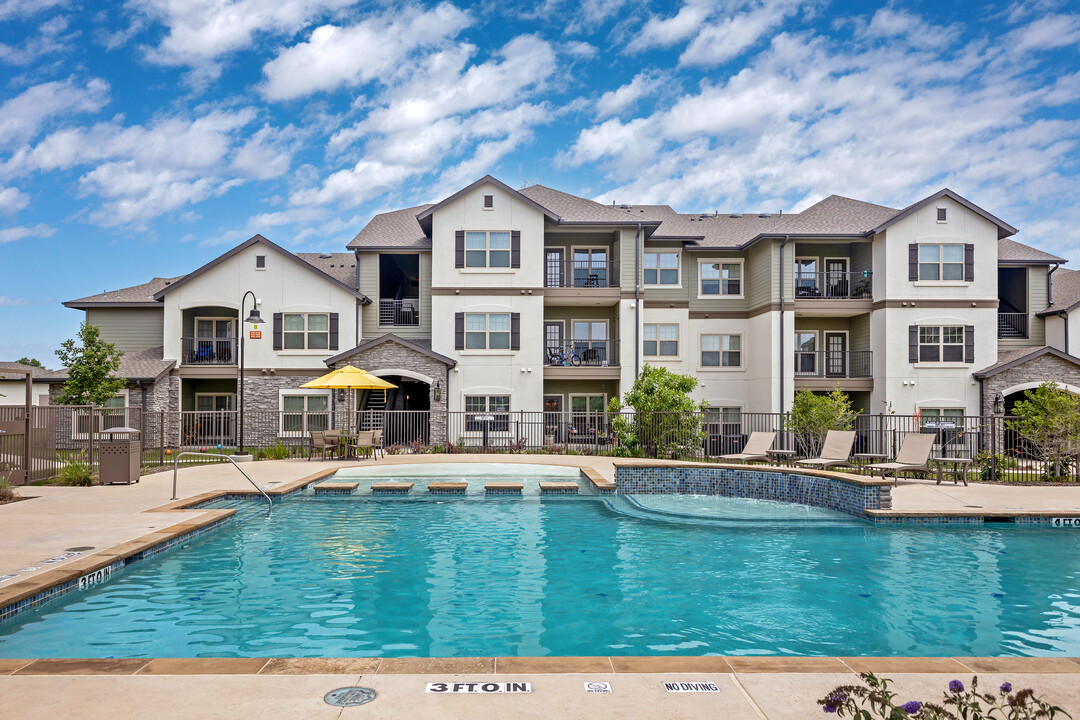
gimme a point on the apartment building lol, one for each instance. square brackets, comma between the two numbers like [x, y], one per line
[497, 299]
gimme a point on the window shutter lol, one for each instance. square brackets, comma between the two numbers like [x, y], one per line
[277, 331]
[969, 263]
[459, 249]
[515, 248]
[913, 343]
[913, 262]
[515, 331]
[459, 331]
[969, 343]
[333, 331]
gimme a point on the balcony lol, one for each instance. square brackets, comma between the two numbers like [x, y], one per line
[581, 273]
[405, 312]
[208, 351]
[852, 370]
[833, 285]
[1012, 326]
[582, 359]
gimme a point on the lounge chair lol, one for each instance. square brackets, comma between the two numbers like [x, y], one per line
[914, 455]
[316, 443]
[835, 453]
[756, 448]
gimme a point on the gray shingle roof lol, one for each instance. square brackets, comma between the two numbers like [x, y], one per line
[836, 215]
[1012, 251]
[340, 266]
[138, 365]
[574, 209]
[1065, 290]
[1012, 358]
[396, 229]
[36, 372]
[134, 295]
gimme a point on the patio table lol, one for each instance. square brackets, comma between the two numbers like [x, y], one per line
[959, 468]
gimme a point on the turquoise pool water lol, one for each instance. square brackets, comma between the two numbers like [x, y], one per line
[398, 577]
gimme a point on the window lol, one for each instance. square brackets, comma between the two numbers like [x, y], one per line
[721, 351]
[487, 249]
[489, 202]
[941, 262]
[721, 278]
[260, 262]
[112, 413]
[941, 344]
[302, 414]
[590, 267]
[306, 331]
[492, 410]
[661, 340]
[661, 268]
[941, 417]
[587, 415]
[942, 214]
[806, 277]
[805, 353]
[484, 331]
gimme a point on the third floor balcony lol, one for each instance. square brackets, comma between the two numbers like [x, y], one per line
[833, 285]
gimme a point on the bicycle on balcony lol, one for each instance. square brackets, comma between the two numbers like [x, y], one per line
[564, 356]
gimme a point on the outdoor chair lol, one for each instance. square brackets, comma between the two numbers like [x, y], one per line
[590, 356]
[377, 443]
[914, 455]
[756, 448]
[365, 442]
[836, 451]
[316, 443]
[333, 441]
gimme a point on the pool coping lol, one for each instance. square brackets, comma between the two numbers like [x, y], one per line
[788, 470]
[549, 665]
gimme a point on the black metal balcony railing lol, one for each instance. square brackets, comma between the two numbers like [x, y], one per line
[399, 312]
[581, 273]
[208, 351]
[834, 285]
[834, 364]
[1012, 325]
[583, 353]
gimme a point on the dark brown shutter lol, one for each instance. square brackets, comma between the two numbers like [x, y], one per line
[260, 261]
[515, 248]
[913, 262]
[333, 331]
[489, 201]
[459, 249]
[277, 331]
[913, 343]
[969, 262]
[515, 331]
[969, 343]
[459, 331]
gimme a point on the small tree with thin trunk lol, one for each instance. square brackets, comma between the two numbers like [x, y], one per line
[90, 362]
[1049, 420]
[813, 416]
[666, 419]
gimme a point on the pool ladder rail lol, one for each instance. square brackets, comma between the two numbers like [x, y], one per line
[220, 456]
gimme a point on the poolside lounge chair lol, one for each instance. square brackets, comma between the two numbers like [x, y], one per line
[914, 455]
[316, 444]
[756, 448]
[835, 453]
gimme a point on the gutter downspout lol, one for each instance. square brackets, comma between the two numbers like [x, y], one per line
[1065, 318]
[782, 308]
[1050, 286]
[637, 302]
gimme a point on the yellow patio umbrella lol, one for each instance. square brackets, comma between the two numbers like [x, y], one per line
[350, 378]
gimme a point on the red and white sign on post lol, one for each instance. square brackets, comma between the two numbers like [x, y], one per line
[254, 334]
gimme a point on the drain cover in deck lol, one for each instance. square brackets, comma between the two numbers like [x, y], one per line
[349, 696]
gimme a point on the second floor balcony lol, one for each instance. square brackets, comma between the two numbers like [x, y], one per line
[583, 353]
[399, 313]
[838, 364]
[560, 272]
[833, 285]
[208, 351]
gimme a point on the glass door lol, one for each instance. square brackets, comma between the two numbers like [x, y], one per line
[835, 354]
[836, 277]
[553, 342]
[590, 341]
[590, 267]
[553, 271]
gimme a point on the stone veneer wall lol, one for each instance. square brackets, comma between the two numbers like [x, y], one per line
[262, 408]
[392, 356]
[1045, 367]
[825, 492]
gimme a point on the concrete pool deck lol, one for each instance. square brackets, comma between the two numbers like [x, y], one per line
[57, 519]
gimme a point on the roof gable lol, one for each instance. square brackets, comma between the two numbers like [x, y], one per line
[390, 337]
[1020, 356]
[1004, 229]
[256, 239]
[424, 217]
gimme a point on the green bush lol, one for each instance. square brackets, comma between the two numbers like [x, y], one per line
[1049, 420]
[813, 416]
[76, 474]
[666, 421]
[7, 492]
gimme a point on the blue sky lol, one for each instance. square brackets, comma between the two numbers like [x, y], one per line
[146, 138]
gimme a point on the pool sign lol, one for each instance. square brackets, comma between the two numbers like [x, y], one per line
[691, 687]
[1066, 522]
[488, 688]
[597, 687]
[95, 577]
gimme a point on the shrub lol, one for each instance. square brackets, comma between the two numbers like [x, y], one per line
[7, 492]
[813, 416]
[666, 421]
[76, 474]
[1049, 419]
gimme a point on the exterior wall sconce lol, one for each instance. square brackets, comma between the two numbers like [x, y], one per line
[437, 392]
[999, 404]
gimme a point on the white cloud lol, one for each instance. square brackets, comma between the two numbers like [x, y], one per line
[373, 49]
[615, 101]
[665, 32]
[22, 117]
[731, 35]
[268, 153]
[23, 302]
[51, 38]
[355, 185]
[25, 8]
[22, 232]
[12, 200]
[889, 23]
[1045, 32]
[1065, 90]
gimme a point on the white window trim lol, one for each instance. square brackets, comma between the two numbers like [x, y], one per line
[487, 269]
[257, 268]
[817, 348]
[76, 413]
[305, 350]
[483, 202]
[720, 368]
[487, 335]
[570, 403]
[195, 326]
[741, 262]
[941, 346]
[492, 432]
[825, 264]
[936, 214]
[294, 392]
[678, 268]
[942, 283]
[662, 358]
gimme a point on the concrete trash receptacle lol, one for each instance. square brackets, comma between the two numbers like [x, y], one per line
[120, 457]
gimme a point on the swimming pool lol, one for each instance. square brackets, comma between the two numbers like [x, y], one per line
[409, 576]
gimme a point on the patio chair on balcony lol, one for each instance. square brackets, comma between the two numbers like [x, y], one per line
[836, 451]
[590, 356]
[756, 448]
[914, 456]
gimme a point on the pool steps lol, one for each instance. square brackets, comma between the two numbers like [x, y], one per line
[336, 488]
[391, 488]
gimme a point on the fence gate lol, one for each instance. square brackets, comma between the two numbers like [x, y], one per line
[14, 445]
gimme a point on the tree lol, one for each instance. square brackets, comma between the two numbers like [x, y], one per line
[666, 419]
[1049, 419]
[90, 365]
[32, 362]
[813, 416]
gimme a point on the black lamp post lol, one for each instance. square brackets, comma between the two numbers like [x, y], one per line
[254, 318]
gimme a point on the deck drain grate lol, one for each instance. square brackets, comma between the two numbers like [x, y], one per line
[349, 696]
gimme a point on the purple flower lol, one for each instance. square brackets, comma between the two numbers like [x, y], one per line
[956, 686]
[912, 707]
[829, 708]
[1006, 688]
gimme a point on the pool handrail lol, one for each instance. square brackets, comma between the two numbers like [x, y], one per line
[220, 456]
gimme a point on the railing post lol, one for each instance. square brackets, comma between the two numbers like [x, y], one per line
[993, 448]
